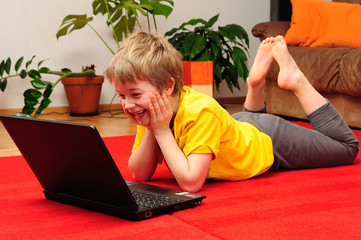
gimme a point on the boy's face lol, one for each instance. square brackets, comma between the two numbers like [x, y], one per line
[135, 100]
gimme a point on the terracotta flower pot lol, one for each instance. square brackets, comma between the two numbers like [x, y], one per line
[199, 76]
[83, 94]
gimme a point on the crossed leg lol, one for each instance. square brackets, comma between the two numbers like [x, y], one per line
[290, 77]
[257, 76]
[332, 144]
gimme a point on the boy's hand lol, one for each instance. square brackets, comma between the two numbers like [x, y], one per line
[161, 112]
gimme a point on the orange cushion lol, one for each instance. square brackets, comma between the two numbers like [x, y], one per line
[318, 23]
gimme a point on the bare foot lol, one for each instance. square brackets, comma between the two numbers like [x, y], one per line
[261, 64]
[290, 75]
[291, 78]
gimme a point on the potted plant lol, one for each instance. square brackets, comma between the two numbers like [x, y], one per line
[83, 92]
[121, 17]
[227, 47]
[37, 98]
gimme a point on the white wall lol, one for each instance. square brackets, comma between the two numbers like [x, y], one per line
[28, 28]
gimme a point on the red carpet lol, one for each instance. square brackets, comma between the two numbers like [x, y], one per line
[303, 204]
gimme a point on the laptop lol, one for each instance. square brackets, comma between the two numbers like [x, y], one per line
[73, 165]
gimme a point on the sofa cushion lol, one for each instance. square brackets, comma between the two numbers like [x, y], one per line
[329, 70]
[318, 23]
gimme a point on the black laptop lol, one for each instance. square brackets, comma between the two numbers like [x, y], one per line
[74, 167]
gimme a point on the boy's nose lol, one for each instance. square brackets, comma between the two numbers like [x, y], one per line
[128, 104]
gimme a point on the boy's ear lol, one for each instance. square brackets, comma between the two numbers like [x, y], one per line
[170, 87]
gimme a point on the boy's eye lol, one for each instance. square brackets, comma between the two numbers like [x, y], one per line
[136, 94]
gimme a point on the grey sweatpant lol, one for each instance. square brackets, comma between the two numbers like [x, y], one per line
[331, 143]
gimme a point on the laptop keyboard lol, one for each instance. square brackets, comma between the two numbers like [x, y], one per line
[152, 200]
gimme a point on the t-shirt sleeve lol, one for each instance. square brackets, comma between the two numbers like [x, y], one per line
[201, 134]
[139, 137]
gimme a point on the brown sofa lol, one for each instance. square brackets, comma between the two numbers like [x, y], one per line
[334, 72]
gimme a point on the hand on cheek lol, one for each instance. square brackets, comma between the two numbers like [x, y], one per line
[161, 112]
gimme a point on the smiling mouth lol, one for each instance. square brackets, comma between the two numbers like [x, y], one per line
[138, 114]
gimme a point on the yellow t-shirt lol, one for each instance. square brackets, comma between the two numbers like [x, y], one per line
[240, 151]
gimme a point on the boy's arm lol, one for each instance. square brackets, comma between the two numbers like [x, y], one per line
[143, 161]
[190, 172]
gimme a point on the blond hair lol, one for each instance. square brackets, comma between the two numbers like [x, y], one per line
[150, 57]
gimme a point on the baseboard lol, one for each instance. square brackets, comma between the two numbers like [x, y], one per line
[231, 100]
[117, 106]
[64, 109]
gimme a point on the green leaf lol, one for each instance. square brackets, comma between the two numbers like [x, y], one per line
[72, 22]
[158, 7]
[44, 104]
[124, 27]
[28, 110]
[31, 102]
[18, 64]
[205, 57]
[193, 22]
[44, 70]
[239, 57]
[21, 114]
[8, 66]
[217, 74]
[212, 21]
[133, 7]
[34, 74]
[2, 67]
[115, 16]
[48, 91]
[198, 46]
[23, 74]
[233, 31]
[215, 49]
[41, 62]
[39, 111]
[66, 70]
[188, 45]
[27, 64]
[230, 75]
[99, 7]
[245, 71]
[171, 32]
[39, 84]
[3, 84]
[32, 94]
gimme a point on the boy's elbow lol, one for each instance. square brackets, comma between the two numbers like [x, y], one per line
[191, 186]
[140, 178]
[191, 189]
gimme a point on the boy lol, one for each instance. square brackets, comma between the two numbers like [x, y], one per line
[198, 139]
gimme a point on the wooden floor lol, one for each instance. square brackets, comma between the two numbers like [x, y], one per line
[109, 124]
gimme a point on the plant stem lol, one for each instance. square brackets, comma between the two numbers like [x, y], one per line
[88, 73]
[140, 27]
[148, 22]
[155, 24]
[9, 76]
[101, 39]
[111, 24]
